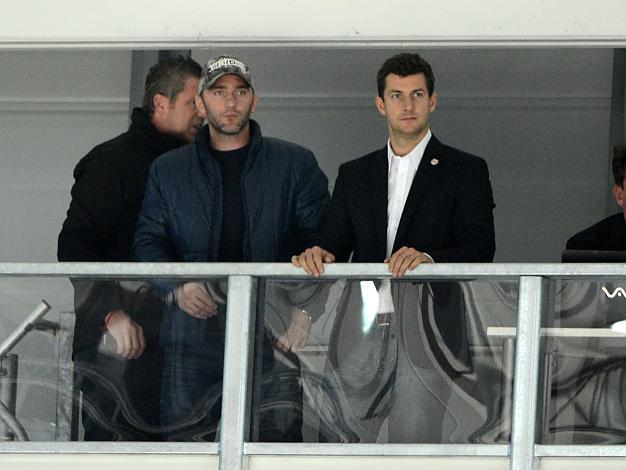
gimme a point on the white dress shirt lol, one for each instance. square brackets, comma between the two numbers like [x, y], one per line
[399, 179]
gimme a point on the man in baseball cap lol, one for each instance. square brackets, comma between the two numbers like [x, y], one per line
[223, 65]
[231, 196]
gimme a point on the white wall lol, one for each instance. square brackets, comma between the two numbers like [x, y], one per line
[118, 22]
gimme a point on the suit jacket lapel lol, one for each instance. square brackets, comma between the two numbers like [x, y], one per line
[427, 168]
[379, 170]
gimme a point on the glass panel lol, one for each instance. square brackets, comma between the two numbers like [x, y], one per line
[154, 372]
[380, 361]
[585, 357]
[31, 374]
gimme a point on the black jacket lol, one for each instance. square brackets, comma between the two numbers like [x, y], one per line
[608, 234]
[110, 182]
[448, 212]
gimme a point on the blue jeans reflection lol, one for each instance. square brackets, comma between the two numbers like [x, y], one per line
[191, 397]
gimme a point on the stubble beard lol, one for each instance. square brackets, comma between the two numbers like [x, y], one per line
[229, 129]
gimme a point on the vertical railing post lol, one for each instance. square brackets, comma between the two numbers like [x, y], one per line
[239, 313]
[8, 393]
[526, 376]
[506, 400]
[66, 428]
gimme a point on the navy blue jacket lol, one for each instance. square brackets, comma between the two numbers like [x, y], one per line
[285, 197]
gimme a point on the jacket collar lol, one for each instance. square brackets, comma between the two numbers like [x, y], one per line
[378, 183]
[203, 141]
[157, 142]
[379, 169]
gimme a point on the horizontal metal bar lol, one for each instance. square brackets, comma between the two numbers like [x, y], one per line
[286, 270]
[203, 448]
[212, 448]
[580, 451]
[486, 450]
[510, 331]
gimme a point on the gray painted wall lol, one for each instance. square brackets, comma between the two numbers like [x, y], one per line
[539, 117]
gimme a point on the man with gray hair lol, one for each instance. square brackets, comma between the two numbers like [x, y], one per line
[232, 196]
[100, 224]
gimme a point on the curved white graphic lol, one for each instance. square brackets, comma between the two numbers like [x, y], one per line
[619, 292]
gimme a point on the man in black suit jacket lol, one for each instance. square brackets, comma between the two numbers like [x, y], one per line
[609, 234]
[414, 201]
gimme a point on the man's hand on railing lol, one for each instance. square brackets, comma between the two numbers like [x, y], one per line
[297, 334]
[193, 299]
[406, 258]
[312, 260]
[128, 334]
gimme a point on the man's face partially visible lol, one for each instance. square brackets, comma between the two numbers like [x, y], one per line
[228, 105]
[620, 196]
[180, 116]
[406, 105]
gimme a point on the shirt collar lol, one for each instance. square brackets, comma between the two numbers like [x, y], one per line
[415, 154]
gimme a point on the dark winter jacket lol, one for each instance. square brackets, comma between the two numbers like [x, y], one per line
[285, 198]
[110, 182]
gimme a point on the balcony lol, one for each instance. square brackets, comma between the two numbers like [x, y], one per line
[515, 365]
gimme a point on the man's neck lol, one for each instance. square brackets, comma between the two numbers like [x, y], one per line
[158, 125]
[165, 132]
[225, 142]
[402, 145]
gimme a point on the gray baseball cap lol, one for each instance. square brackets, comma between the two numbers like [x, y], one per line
[223, 65]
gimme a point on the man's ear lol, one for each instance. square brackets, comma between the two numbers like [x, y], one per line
[255, 102]
[200, 106]
[618, 194]
[380, 105]
[432, 102]
[160, 103]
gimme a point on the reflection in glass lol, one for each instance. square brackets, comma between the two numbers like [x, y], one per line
[76, 376]
[384, 361]
[585, 351]
[330, 364]
[192, 338]
[117, 359]
[30, 383]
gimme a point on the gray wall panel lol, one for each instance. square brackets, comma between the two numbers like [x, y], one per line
[539, 117]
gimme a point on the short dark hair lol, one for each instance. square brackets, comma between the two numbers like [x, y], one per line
[167, 78]
[403, 65]
[619, 164]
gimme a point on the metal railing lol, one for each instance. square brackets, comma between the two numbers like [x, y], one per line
[523, 451]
